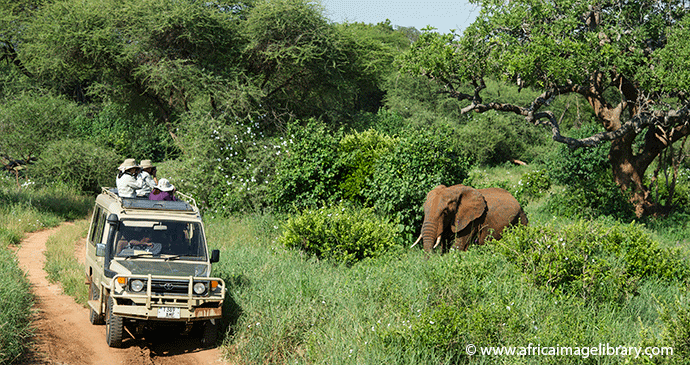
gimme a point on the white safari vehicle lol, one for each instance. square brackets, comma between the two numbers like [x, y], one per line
[147, 262]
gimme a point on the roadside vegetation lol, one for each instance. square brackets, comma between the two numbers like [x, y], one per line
[310, 147]
[21, 211]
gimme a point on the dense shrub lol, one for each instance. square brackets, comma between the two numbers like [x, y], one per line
[310, 171]
[492, 138]
[78, 164]
[588, 187]
[421, 160]
[339, 233]
[591, 261]
[129, 132]
[227, 165]
[358, 154]
[29, 121]
[534, 184]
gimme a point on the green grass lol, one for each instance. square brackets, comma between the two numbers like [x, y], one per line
[286, 307]
[62, 265]
[15, 308]
[21, 211]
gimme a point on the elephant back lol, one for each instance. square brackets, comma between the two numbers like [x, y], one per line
[502, 210]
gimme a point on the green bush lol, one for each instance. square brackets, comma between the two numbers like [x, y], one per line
[492, 139]
[77, 164]
[588, 187]
[228, 163]
[532, 185]
[421, 160]
[588, 260]
[339, 233]
[309, 172]
[127, 131]
[359, 153]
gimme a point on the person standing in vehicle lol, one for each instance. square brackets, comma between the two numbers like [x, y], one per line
[128, 180]
[164, 191]
[148, 175]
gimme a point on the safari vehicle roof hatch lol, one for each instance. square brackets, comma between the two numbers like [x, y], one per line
[185, 204]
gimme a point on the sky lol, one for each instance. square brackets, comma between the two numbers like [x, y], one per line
[443, 15]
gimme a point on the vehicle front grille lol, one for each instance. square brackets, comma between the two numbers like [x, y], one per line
[169, 287]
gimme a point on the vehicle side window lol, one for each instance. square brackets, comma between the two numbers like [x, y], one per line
[94, 223]
[100, 227]
[97, 226]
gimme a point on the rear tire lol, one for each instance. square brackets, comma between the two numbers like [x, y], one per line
[95, 318]
[209, 335]
[113, 326]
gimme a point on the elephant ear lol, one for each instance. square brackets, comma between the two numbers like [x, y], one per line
[471, 206]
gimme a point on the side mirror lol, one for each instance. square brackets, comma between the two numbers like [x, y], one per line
[112, 219]
[215, 256]
[100, 249]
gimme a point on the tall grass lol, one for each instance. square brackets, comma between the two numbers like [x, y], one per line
[15, 308]
[26, 210]
[285, 307]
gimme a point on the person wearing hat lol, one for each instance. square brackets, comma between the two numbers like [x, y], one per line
[148, 175]
[163, 191]
[128, 179]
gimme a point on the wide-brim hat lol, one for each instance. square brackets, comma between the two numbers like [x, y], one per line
[127, 164]
[165, 185]
[145, 164]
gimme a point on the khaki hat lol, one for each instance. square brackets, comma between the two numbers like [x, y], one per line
[165, 185]
[144, 164]
[127, 164]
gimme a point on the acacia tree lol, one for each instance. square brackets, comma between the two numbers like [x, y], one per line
[628, 59]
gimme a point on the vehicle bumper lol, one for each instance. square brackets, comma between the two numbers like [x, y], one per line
[150, 304]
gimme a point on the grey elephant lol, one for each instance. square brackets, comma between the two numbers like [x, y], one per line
[467, 215]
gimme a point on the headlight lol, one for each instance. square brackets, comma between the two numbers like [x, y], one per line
[199, 288]
[136, 285]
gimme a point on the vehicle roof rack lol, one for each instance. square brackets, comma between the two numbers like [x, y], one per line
[184, 202]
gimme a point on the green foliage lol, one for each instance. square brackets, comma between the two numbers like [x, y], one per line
[421, 160]
[309, 172]
[674, 228]
[589, 190]
[127, 132]
[593, 262]
[36, 207]
[532, 185]
[228, 164]
[493, 139]
[418, 101]
[16, 302]
[26, 210]
[358, 153]
[676, 317]
[77, 164]
[30, 121]
[339, 233]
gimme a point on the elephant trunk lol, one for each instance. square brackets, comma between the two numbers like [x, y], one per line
[430, 235]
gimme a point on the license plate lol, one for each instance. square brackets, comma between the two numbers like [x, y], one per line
[169, 312]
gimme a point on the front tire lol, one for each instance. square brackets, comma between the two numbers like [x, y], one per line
[95, 318]
[209, 335]
[114, 326]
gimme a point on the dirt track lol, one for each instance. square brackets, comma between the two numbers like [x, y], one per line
[64, 334]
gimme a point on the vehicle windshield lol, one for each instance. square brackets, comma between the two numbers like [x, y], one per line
[168, 240]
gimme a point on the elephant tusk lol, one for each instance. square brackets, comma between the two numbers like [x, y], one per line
[417, 241]
[438, 240]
